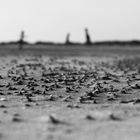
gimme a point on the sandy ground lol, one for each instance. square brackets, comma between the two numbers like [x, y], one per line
[70, 97]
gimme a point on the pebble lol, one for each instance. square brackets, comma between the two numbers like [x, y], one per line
[3, 99]
[17, 119]
[51, 119]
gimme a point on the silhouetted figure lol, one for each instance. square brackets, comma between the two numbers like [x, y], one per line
[21, 40]
[68, 39]
[88, 40]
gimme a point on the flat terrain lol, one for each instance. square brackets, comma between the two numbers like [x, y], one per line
[69, 93]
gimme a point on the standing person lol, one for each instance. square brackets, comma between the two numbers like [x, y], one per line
[21, 40]
[88, 40]
[68, 39]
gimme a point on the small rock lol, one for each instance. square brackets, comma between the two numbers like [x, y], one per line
[115, 117]
[17, 119]
[3, 99]
[51, 98]
[98, 115]
[3, 106]
[73, 106]
[137, 101]
[27, 105]
[29, 99]
[52, 119]
[90, 117]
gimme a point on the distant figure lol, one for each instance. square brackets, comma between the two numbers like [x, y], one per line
[68, 39]
[21, 40]
[88, 40]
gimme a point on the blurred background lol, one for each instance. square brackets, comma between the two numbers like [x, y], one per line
[51, 20]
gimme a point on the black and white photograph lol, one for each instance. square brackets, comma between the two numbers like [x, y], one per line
[69, 70]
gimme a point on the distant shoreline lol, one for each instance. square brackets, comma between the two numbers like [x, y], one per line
[98, 43]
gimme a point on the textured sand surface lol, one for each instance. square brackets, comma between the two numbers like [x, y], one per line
[69, 97]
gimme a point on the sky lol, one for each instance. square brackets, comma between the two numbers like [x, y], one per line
[51, 20]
